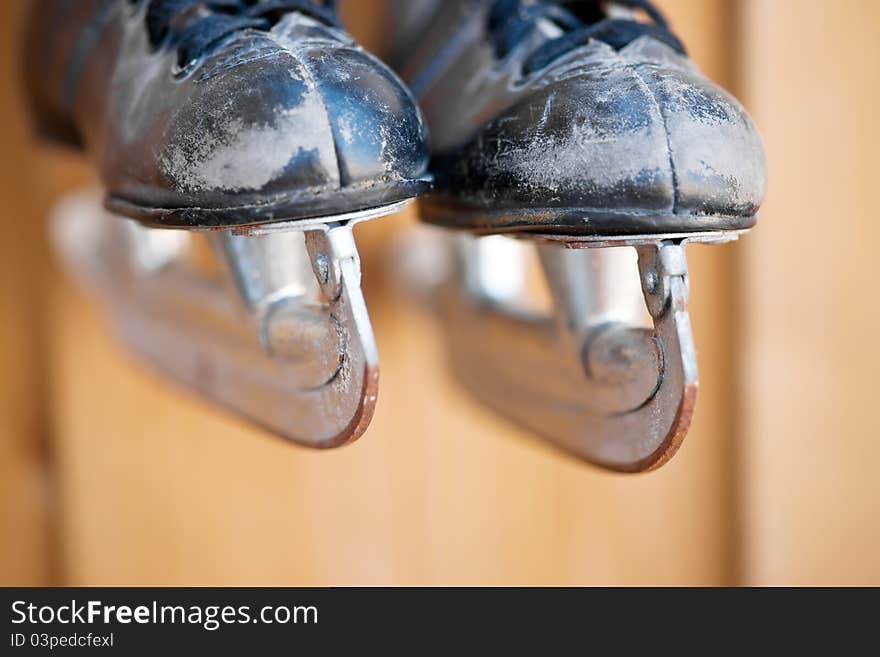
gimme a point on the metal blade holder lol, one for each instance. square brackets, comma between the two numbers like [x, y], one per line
[283, 339]
[610, 375]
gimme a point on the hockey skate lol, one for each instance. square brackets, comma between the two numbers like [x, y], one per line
[257, 126]
[582, 130]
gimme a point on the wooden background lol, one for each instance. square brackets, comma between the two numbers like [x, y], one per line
[111, 476]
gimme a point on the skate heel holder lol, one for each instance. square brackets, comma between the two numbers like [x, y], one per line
[279, 333]
[610, 374]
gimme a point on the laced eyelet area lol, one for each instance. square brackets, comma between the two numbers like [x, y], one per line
[194, 26]
[579, 21]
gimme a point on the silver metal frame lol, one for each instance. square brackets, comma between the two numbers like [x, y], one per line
[285, 340]
[611, 374]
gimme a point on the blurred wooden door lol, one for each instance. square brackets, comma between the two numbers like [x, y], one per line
[143, 484]
[810, 432]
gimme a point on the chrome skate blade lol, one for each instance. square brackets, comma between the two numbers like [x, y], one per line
[609, 373]
[280, 335]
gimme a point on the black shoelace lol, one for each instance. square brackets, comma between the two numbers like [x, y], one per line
[193, 26]
[580, 21]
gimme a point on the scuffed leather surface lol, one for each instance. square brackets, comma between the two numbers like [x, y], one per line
[600, 141]
[289, 123]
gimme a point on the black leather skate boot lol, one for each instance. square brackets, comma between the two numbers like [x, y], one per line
[583, 117]
[211, 113]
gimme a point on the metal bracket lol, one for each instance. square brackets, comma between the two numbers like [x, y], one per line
[283, 338]
[610, 374]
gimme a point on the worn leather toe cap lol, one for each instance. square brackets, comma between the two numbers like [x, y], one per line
[277, 125]
[635, 137]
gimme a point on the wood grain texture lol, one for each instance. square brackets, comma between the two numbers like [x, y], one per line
[159, 488]
[810, 491]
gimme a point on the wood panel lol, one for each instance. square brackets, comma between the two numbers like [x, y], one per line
[158, 488]
[25, 487]
[810, 491]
